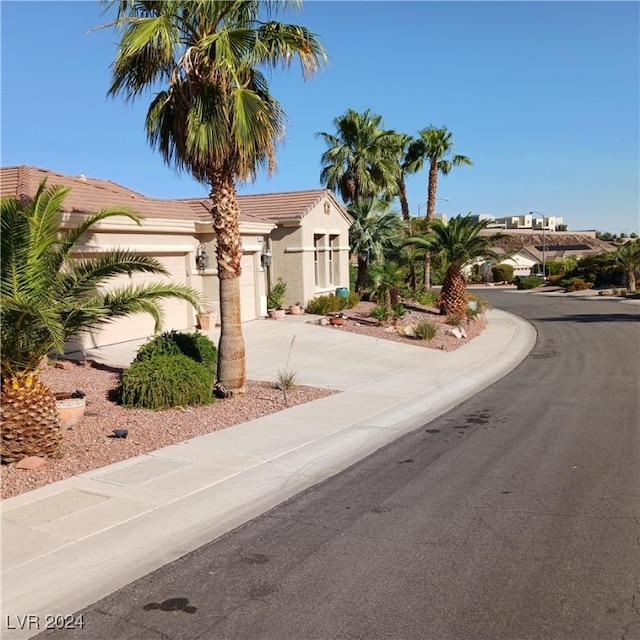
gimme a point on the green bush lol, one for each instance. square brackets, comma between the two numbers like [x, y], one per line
[427, 298]
[354, 299]
[275, 299]
[502, 272]
[165, 381]
[381, 313]
[329, 303]
[195, 345]
[398, 310]
[425, 330]
[530, 282]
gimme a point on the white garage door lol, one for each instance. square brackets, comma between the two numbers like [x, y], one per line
[176, 313]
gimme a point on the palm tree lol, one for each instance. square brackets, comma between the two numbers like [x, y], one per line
[628, 257]
[375, 231]
[435, 145]
[458, 243]
[360, 161]
[215, 117]
[47, 298]
[387, 277]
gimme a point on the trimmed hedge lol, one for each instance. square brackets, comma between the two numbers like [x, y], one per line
[165, 381]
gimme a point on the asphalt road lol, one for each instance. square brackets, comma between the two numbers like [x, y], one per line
[514, 516]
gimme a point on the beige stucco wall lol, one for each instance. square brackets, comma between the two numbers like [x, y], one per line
[175, 244]
[294, 249]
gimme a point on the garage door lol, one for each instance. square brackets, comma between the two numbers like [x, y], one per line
[176, 313]
[248, 304]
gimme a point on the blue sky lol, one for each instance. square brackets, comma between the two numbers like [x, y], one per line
[542, 96]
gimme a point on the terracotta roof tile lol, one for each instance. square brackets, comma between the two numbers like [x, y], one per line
[89, 195]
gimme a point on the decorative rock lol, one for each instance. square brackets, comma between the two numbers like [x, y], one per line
[324, 321]
[31, 462]
[457, 332]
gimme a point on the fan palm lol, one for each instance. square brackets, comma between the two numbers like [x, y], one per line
[628, 257]
[361, 158]
[435, 146]
[387, 277]
[375, 230]
[48, 298]
[458, 243]
[215, 116]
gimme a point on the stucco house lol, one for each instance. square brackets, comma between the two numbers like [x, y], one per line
[305, 234]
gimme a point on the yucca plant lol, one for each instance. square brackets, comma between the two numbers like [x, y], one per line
[47, 297]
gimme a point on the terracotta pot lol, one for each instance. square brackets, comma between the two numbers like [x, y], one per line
[204, 321]
[336, 321]
[275, 314]
[295, 310]
[70, 410]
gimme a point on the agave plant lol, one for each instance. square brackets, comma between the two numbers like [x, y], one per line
[47, 297]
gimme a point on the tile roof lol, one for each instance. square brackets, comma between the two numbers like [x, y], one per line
[89, 195]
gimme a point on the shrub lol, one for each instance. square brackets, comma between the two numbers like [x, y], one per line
[354, 299]
[329, 303]
[275, 299]
[381, 313]
[425, 330]
[577, 284]
[502, 272]
[530, 282]
[454, 320]
[194, 345]
[165, 381]
[398, 310]
[427, 298]
[482, 304]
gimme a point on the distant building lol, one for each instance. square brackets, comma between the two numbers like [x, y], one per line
[526, 221]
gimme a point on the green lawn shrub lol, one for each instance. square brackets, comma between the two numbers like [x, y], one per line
[165, 381]
[427, 298]
[576, 284]
[502, 272]
[329, 303]
[530, 282]
[381, 313]
[194, 345]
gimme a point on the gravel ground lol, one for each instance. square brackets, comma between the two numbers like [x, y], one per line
[90, 445]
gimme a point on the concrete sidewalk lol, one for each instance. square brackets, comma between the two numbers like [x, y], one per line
[68, 544]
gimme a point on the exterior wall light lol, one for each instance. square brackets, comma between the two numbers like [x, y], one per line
[266, 257]
[202, 259]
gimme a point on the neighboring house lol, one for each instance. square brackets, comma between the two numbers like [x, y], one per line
[296, 227]
[310, 244]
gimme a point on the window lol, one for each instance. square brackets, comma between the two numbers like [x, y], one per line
[316, 258]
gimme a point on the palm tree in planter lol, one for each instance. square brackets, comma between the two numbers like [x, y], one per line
[628, 257]
[47, 297]
[458, 243]
[376, 231]
[215, 116]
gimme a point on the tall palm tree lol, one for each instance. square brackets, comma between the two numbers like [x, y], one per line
[360, 161]
[375, 231]
[628, 257]
[458, 243]
[47, 298]
[215, 116]
[435, 146]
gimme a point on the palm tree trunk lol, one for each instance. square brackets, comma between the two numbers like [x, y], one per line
[454, 293]
[631, 280]
[231, 374]
[362, 275]
[432, 189]
[404, 201]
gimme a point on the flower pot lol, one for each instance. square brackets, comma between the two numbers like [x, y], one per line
[336, 322]
[275, 314]
[70, 410]
[204, 321]
[295, 310]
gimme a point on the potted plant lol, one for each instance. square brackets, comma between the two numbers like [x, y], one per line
[275, 299]
[296, 309]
